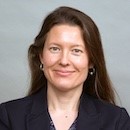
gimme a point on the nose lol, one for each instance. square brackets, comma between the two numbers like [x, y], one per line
[64, 59]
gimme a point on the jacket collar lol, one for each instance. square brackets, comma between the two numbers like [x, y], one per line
[39, 119]
[88, 114]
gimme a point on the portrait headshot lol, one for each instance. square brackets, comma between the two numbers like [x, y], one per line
[71, 75]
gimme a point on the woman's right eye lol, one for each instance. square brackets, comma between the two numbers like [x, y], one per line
[54, 49]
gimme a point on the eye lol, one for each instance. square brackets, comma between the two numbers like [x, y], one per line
[77, 51]
[54, 49]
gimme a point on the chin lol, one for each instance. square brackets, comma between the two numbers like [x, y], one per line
[65, 88]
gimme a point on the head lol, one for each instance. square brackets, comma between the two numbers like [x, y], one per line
[98, 84]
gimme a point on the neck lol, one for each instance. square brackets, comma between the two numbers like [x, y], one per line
[63, 101]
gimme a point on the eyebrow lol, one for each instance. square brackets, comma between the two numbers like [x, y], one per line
[77, 45]
[73, 45]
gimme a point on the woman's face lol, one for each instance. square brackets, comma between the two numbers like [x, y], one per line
[65, 58]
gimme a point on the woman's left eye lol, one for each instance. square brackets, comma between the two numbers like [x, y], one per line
[77, 51]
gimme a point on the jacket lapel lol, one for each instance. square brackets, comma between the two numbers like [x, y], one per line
[38, 122]
[89, 117]
[39, 118]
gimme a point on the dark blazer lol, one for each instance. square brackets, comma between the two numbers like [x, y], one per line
[31, 113]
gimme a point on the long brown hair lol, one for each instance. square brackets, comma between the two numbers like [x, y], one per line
[97, 85]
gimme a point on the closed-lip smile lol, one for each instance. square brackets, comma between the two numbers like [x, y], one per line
[64, 72]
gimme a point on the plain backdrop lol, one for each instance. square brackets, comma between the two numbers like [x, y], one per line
[20, 22]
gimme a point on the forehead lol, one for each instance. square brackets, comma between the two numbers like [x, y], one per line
[65, 32]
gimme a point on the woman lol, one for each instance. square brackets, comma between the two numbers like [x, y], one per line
[70, 87]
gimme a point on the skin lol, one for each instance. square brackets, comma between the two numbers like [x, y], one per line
[66, 65]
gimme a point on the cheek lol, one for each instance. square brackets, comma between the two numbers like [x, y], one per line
[84, 67]
[82, 63]
[49, 60]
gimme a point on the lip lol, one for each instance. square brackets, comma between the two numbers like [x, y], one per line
[64, 73]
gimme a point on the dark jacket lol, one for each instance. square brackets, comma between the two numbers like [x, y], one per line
[31, 113]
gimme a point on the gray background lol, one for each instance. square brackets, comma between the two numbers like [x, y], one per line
[20, 22]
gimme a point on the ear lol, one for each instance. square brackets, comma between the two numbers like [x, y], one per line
[91, 65]
[41, 57]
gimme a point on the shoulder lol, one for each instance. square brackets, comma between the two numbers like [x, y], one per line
[108, 108]
[17, 104]
[14, 110]
[105, 107]
[113, 114]
[22, 104]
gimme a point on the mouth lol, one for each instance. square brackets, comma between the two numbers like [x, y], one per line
[64, 73]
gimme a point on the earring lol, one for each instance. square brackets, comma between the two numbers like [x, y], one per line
[91, 71]
[41, 67]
